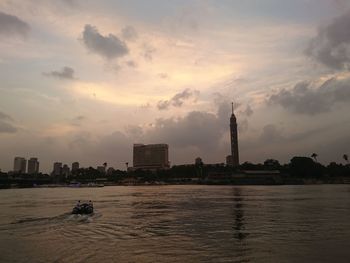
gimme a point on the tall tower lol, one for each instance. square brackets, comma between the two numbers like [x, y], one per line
[234, 139]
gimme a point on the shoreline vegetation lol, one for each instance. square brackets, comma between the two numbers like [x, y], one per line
[300, 171]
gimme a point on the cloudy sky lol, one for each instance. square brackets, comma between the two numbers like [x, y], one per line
[84, 80]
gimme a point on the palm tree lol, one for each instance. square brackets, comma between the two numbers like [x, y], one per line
[346, 158]
[314, 155]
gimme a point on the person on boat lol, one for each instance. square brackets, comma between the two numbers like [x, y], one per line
[90, 204]
[78, 204]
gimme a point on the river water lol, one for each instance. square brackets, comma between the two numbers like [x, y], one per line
[177, 224]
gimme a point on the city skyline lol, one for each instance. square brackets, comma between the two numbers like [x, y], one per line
[85, 80]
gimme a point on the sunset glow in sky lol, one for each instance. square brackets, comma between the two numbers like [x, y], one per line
[84, 80]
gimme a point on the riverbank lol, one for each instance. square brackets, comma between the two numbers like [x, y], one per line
[181, 181]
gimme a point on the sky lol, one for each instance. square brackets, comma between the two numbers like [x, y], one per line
[85, 80]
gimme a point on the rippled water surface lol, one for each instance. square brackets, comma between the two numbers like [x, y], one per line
[177, 224]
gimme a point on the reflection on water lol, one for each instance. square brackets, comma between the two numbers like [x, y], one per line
[239, 223]
[240, 233]
[177, 224]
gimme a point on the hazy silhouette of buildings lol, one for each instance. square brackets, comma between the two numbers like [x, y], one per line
[33, 165]
[65, 170]
[75, 167]
[234, 141]
[198, 161]
[110, 171]
[57, 169]
[19, 165]
[101, 169]
[151, 156]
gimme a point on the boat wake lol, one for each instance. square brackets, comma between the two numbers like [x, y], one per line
[64, 224]
[83, 217]
[66, 217]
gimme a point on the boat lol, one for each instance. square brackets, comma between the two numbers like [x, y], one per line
[83, 209]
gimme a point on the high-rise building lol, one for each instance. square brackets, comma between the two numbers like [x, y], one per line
[65, 170]
[151, 156]
[33, 166]
[57, 169]
[75, 167]
[234, 139]
[19, 165]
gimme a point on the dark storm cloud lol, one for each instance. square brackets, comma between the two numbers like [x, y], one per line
[131, 64]
[243, 125]
[308, 134]
[331, 46]
[198, 129]
[12, 25]
[333, 150]
[114, 148]
[271, 133]
[224, 106]
[178, 99]
[163, 104]
[134, 131]
[71, 3]
[248, 111]
[129, 33]
[5, 125]
[276, 133]
[304, 98]
[202, 130]
[5, 117]
[109, 47]
[223, 112]
[220, 99]
[274, 140]
[114, 143]
[64, 73]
